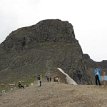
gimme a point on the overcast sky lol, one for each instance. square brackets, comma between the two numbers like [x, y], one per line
[89, 18]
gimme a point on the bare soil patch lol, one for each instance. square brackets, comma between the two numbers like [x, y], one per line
[56, 95]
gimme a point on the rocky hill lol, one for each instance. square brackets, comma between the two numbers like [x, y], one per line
[42, 48]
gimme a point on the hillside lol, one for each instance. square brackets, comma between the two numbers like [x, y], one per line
[42, 48]
[56, 95]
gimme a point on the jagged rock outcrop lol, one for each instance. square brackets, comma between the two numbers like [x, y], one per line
[40, 48]
[44, 31]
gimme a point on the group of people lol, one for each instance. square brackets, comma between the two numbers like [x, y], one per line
[49, 79]
[97, 73]
[39, 78]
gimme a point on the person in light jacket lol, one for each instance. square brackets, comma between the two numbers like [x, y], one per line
[97, 76]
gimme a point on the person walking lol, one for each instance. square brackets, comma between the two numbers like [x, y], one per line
[39, 80]
[97, 76]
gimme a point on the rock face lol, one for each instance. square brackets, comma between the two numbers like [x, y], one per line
[44, 31]
[41, 48]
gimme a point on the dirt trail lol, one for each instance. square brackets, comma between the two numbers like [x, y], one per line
[56, 95]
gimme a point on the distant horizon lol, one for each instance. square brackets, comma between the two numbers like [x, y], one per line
[88, 18]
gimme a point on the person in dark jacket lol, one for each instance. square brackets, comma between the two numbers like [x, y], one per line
[39, 80]
[20, 85]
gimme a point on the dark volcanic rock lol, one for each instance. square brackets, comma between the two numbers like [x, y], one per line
[42, 48]
[44, 31]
